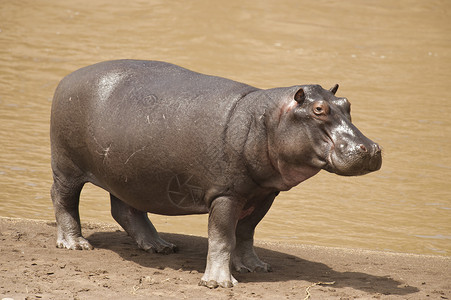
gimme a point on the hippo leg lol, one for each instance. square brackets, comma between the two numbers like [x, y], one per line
[66, 197]
[138, 226]
[222, 220]
[244, 258]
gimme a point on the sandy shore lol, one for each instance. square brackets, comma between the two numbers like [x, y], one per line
[32, 268]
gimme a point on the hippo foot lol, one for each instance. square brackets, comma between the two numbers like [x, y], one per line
[158, 246]
[217, 274]
[74, 243]
[250, 264]
[212, 284]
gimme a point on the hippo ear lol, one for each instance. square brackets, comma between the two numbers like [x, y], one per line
[299, 97]
[334, 89]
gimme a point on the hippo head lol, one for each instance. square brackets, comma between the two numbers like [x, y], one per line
[314, 131]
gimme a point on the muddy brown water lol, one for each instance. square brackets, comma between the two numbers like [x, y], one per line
[392, 59]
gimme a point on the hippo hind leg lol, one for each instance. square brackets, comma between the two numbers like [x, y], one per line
[65, 193]
[138, 226]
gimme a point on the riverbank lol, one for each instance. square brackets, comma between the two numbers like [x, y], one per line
[32, 268]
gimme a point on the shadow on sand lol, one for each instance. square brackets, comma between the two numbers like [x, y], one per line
[192, 257]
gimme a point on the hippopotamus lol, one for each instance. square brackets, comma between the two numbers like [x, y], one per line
[166, 140]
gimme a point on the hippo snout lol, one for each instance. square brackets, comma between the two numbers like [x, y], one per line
[373, 156]
[350, 159]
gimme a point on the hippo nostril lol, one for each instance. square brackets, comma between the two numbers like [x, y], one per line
[363, 148]
[377, 149]
[376, 158]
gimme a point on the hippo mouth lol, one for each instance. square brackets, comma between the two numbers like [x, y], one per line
[328, 163]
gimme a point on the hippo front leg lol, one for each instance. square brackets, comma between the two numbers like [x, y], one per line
[244, 258]
[224, 214]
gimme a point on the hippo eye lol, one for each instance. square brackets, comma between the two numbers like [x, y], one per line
[344, 105]
[320, 108]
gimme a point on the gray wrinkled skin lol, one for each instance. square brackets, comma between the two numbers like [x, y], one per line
[166, 140]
